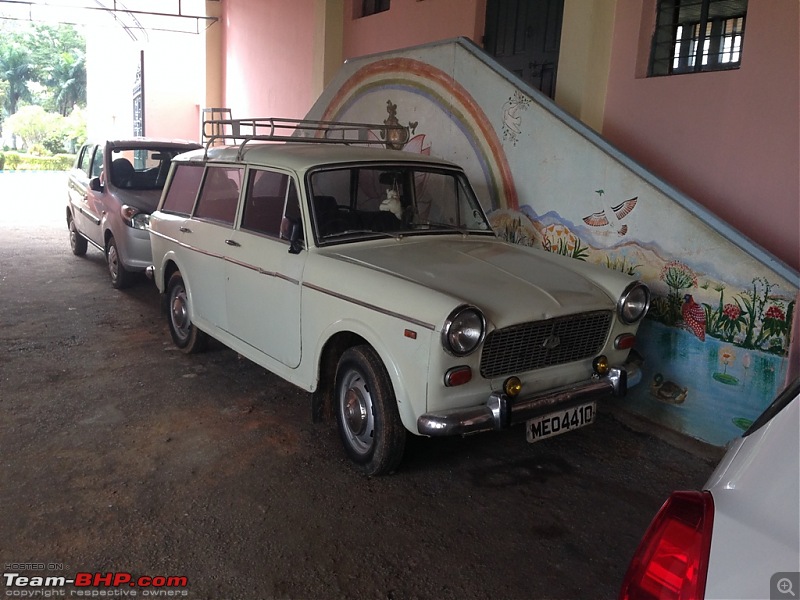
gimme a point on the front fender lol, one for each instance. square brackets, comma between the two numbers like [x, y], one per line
[404, 357]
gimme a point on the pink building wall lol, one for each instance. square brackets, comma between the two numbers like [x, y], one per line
[268, 54]
[411, 23]
[729, 139]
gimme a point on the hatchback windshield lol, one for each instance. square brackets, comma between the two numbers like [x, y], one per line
[392, 200]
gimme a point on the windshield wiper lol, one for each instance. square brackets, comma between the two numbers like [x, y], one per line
[363, 231]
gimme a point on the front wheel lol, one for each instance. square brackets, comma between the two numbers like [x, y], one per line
[366, 410]
[120, 276]
[185, 334]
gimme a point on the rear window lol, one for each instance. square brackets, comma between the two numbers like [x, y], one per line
[183, 190]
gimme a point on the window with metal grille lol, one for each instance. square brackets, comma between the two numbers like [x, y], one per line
[370, 7]
[697, 35]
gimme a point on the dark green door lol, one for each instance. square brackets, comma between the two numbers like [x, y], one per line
[524, 37]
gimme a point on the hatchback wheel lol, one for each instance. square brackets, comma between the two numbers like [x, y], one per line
[77, 242]
[120, 276]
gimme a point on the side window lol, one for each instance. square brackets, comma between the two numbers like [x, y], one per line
[97, 163]
[85, 159]
[219, 194]
[264, 202]
[183, 189]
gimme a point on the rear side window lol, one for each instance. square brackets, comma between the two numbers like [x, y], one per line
[219, 194]
[183, 189]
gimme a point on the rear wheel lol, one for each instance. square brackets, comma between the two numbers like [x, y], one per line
[366, 410]
[120, 276]
[77, 242]
[185, 334]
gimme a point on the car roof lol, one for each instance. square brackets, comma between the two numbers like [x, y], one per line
[303, 156]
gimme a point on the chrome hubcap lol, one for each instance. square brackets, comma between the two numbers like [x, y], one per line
[113, 262]
[179, 313]
[355, 404]
[355, 411]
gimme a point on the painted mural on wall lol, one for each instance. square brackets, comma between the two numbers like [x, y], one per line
[715, 344]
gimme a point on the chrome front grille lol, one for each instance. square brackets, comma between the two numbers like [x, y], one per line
[538, 344]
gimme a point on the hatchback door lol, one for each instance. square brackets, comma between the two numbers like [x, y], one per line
[92, 209]
[78, 186]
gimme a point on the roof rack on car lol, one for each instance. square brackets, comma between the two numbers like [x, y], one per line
[271, 129]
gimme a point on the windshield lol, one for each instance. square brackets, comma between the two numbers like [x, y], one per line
[392, 200]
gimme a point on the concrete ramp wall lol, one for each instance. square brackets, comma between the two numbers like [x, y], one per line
[717, 339]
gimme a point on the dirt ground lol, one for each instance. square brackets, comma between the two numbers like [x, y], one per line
[118, 454]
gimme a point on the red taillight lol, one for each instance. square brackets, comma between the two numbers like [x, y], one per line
[672, 559]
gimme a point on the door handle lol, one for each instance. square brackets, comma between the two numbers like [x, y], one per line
[233, 243]
[185, 230]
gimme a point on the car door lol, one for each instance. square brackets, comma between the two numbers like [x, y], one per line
[263, 293]
[208, 233]
[92, 209]
[78, 186]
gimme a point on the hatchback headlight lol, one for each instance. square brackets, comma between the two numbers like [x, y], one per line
[463, 330]
[133, 217]
[633, 303]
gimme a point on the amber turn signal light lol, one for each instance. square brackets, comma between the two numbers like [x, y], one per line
[512, 386]
[600, 365]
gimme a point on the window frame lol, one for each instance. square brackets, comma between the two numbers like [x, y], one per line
[373, 7]
[700, 42]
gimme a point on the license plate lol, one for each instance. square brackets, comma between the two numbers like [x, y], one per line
[560, 422]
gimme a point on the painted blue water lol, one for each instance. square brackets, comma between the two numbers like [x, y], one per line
[721, 399]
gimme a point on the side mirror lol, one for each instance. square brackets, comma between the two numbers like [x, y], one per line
[95, 185]
[295, 232]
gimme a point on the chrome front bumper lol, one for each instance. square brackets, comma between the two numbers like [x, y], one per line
[501, 411]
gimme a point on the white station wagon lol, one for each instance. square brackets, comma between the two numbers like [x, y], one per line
[371, 277]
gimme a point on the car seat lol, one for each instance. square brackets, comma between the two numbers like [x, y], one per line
[122, 172]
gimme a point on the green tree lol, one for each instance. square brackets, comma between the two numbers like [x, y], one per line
[67, 79]
[35, 125]
[59, 58]
[52, 57]
[16, 69]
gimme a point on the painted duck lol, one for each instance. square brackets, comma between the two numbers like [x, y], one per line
[667, 391]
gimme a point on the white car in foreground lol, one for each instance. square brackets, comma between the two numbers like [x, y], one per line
[739, 538]
[372, 278]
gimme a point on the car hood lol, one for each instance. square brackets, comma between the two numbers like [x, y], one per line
[506, 281]
[145, 200]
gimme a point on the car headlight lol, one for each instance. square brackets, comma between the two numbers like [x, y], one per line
[463, 330]
[633, 303]
[134, 217]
